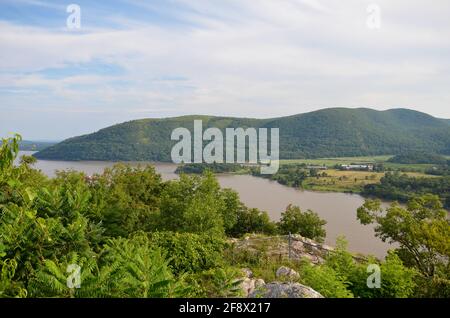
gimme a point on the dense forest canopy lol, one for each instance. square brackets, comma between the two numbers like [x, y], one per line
[334, 132]
[419, 158]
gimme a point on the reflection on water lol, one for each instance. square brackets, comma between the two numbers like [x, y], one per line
[338, 209]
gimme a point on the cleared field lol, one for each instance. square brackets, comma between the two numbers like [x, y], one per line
[342, 181]
[331, 162]
[347, 181]
[334, 161]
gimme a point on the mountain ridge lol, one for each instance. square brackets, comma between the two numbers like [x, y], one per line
[330, 132]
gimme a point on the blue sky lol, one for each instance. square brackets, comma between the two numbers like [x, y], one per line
[254, 58]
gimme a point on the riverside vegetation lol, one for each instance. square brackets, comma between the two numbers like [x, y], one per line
[400, 183]
[134, 235]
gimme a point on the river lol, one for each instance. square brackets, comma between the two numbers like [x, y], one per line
[338, 209]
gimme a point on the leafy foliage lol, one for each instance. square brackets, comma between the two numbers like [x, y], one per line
[190, 252]
[127, 199]
[291, 175]
[325, 280]
[194, 205]
[222, 282]
[422, 229]
[307, 224]
[252, 221]
[132, 235]
[397, 281]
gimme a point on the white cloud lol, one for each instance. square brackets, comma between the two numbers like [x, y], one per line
[250, 58]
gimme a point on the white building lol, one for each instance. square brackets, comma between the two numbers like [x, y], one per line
[357, 167]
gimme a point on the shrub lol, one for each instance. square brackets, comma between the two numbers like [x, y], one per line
[324, 280]
[190, 252]
[307, 224]
[252, 221]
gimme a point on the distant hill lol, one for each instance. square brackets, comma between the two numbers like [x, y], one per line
[333, 132]
[29, 145]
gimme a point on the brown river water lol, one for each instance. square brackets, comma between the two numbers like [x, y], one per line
[338, 209]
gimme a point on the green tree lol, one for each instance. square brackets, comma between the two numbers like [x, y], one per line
[397, 280]
[307, 224]
[252, 221]
[421, 229]
[127, 199]
[193, 204]
[231, 210]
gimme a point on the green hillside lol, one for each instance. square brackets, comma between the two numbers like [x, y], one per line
[334, 132]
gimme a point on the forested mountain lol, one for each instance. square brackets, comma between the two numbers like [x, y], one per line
[332, 132]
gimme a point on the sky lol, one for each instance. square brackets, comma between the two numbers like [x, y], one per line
[250, 58]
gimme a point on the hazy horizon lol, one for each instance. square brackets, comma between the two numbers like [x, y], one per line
[138, 59]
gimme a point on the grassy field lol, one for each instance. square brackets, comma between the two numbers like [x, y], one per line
[347, 181]
[353, 181]
[342, 181]
[331, 162]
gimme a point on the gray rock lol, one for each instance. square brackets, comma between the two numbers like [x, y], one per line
[286, 272]
[284, 290]
[249, 285]
[247, 272]
[259, 283]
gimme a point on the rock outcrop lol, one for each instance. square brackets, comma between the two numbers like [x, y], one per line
[257, 288]
[250, 284]
[278, 247]
[288, 273]
[284, 290]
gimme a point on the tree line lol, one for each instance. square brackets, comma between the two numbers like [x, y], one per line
[401, 187]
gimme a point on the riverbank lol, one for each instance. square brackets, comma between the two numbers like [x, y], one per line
[367, 181]
[309, 175]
